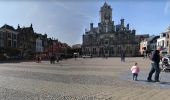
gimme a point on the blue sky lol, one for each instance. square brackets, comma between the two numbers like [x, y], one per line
[66, 20]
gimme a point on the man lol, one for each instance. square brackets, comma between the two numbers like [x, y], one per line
[122, 56]
[155, 58]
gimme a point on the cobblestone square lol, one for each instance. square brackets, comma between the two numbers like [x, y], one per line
[80, 79]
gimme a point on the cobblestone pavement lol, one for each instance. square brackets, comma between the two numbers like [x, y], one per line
[80, 79]
[163, 84]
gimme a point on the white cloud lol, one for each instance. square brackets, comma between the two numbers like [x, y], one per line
[167, 7]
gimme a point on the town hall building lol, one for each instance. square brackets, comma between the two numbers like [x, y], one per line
[109, 39]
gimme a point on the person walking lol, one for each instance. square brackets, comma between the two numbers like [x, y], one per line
[135, 70]
[52, 59]
[144, 54]
[155, 59]
[122, 56]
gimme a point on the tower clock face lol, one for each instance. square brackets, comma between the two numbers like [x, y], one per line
[107, 16]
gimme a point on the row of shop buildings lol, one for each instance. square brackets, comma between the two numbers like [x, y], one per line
[26, 43]
[156, 41]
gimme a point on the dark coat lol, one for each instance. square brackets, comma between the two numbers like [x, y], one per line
[156, 56]
[122, 54]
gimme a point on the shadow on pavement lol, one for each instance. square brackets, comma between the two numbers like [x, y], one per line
[164, 83]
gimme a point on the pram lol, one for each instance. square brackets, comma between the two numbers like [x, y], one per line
[165, 66]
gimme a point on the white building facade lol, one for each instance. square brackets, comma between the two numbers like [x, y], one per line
[39, 47]
[163, 41]
[143, 46]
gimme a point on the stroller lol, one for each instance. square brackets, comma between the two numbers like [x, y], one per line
[165, 66]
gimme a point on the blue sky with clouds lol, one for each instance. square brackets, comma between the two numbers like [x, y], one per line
[66, 20]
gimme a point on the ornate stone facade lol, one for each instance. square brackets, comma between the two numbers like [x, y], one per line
[26, 41]
[108, 39]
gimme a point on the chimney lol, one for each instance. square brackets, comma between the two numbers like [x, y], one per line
[122, 22]
[133, 31]
[91, 26]
[127, 26]
[18, 26]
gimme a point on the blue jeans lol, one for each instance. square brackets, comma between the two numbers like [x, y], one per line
[154, 69]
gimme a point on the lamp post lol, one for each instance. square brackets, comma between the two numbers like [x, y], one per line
[52, 46]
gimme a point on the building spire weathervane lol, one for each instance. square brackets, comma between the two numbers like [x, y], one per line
[105, 2]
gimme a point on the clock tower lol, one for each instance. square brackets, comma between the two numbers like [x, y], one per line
[105, 13]
[106, 24]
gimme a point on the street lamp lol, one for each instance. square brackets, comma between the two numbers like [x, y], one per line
[52, 45]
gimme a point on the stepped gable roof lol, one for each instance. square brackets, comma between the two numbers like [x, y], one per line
[8, 27]
[27, 30]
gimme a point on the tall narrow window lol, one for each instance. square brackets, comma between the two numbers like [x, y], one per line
[15, 44]
[9, 43]
[15, 36]
[106, 28]
[163, 43]
[9, 35]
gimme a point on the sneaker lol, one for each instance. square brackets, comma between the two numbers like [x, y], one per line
[156, 81]
[149, 80]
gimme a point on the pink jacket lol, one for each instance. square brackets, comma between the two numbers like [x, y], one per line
[135, 69]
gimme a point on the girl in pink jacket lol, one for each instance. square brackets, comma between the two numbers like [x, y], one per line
[135, 70]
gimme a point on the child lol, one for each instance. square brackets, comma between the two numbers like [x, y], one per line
[135, 70]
